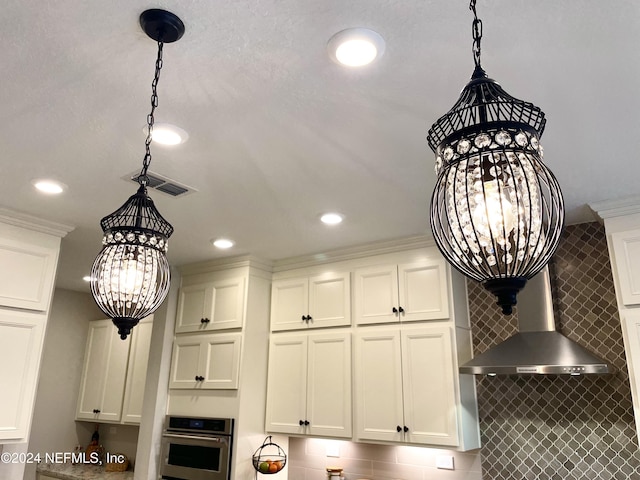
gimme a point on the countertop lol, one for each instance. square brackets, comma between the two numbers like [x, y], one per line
[68, 471]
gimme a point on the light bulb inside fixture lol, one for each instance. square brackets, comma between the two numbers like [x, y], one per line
[50, 187]
[493, 214]
[223, 243]
[331, 218]
[356, 47]
[167, 134]
[356, 53]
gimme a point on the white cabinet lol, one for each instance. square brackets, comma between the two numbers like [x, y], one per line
[209, 306]
[626, 247]
[316, 301]
[29, 273]
[206, 361]
[401, 293]
[104, 374]
[21, 337]
[405, 385]
[114, 373]
[309, 384]
[631, 329]
[137, 371]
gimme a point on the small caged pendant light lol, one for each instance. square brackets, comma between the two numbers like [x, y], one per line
[130, 276]
[497, 211]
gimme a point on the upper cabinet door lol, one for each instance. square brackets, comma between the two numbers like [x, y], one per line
[626, 250]
[376, 294]
[329, 300]
[211, 306]
[289, 303]
[20, 343]
[423, 291]
[28, 274]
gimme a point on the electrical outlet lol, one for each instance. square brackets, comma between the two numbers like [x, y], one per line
[333, 450]
[444, 462]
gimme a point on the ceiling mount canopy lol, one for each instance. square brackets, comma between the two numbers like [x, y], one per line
[130, 276]
[497, 211]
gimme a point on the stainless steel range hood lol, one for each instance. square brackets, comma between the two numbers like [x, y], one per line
[537, 348]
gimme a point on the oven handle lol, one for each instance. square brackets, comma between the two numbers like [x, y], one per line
[193, 437]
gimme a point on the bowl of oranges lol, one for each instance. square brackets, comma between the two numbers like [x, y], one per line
[269, 458]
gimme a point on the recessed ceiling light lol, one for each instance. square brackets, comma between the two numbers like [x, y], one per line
[52, 187]
[223, 243]
[331, 218]
[167, 134]
[356, 47]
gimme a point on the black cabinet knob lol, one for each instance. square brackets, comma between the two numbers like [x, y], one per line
[309, 318]
[95, 410]
[394, 310]
[304, 319]
[301, 422]
[401, 310]
[204, 320]
[398, 428]
[406, 429]
[199, 378]
[306, 422]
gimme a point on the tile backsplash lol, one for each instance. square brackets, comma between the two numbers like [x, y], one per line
[558, 427]
[308, 460]
[533, 428]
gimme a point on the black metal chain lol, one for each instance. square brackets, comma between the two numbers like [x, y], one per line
[142, 178]
[476, 32]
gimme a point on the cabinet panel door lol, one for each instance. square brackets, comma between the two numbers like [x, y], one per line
[376, 294]
[631, 330]
[219, 362]
[103, 375]
[228, 304]
[137, 371]
[423, 291]
[329, 385]
[378, 379]
[195, 304]
[286, 385]
[289, 302]
[428, 386]
[330, 300]
[626, 247]
[20, 346]
[185, 362]
[28, 274]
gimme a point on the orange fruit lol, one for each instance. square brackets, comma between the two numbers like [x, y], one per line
[273, 467]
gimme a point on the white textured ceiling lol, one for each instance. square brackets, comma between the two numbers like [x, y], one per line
[278, 132]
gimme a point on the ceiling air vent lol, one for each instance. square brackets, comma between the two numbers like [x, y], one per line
[163, 184]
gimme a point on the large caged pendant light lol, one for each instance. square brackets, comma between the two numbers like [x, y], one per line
[130, 276]
[497, 211]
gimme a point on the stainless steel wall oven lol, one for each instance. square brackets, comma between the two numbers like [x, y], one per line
[196, 448]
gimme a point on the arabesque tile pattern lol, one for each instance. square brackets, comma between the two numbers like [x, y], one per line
[558, 427]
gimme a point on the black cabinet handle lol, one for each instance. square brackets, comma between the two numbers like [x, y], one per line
[401, 310]
[304, 318]
[406, 429]
[199, 378]
[301, 422]
[398, 428]
[95, 410]
[394, 310]
[306, 422]
[309, 318]
[204, 320]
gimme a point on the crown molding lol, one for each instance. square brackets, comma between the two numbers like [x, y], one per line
[616, 208]
[23, 220]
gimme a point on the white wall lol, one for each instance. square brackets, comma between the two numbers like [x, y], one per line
[53, 428]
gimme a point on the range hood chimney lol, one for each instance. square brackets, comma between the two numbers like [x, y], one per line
[537, 348]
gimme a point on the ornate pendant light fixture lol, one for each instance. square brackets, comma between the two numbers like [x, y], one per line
[131, 276]
[497, 211]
